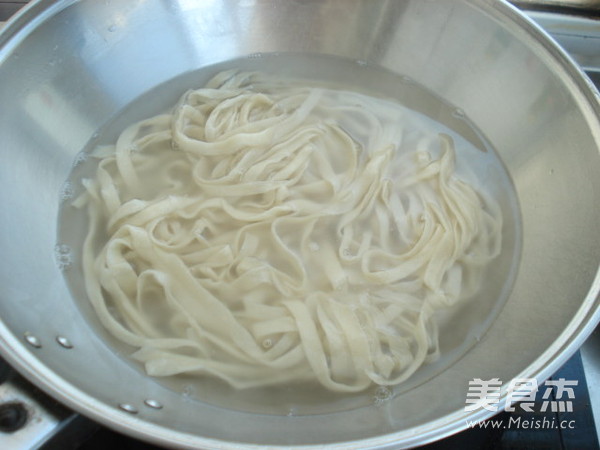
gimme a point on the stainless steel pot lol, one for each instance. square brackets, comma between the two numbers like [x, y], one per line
[67, 67]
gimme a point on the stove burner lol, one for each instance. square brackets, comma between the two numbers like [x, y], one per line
[13, 416]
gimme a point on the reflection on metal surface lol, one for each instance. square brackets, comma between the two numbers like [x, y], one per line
[590, 356]
[579, 36]
[49, 108]
[10, 7]
[583, 5]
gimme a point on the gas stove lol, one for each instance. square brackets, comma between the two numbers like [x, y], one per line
[31, 419]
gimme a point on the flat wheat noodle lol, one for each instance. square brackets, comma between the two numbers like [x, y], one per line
[249, 235]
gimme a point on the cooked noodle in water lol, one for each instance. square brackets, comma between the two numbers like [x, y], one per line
[265, 232]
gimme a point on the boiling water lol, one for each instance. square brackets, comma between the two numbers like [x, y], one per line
[476, 162]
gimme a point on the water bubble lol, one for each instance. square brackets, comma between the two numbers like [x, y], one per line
[347, 253]
[459, 113]
[63, 262]
[188, 391]
[66, 191]
[254, 55]
[112, 28]
[63, 257]
[361, 62]
[267, 343]
[313, 246]
[80, 158]
[62, 249]
[382, 394]
[405, 79]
